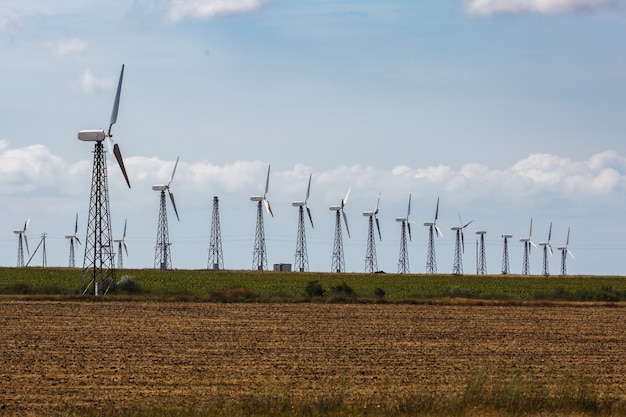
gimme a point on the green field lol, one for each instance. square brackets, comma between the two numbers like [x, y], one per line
[286, 286]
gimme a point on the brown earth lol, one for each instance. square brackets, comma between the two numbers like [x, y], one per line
[98, 355]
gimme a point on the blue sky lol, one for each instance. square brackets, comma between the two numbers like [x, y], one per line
[504, 109]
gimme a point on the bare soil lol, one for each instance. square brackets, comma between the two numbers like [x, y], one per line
[103, 355]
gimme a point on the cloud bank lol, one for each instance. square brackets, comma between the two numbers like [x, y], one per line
[66, 47]
[207, 9]
[491, 7]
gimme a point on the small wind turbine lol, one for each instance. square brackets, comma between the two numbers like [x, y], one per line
[98, 268]
[405, 224]
[72, 238]
[545, 270]
[162, 253]
[527, 247]
[302, 258]
[505, 254]
[564, 252]
[259, 254]
[459, 246]
[431, 259]
[371, 264]
[21, 237]
[121, 243]
[338, 261]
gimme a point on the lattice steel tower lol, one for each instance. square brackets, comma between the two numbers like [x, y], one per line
[216, 258]
[371, 263]
[527, 247]
[162, 252]
[403, 258]
[121, 246]
[545, 270]
[337, 263]
[302, 258]
[505, 254]
[21, 239]
[98, 275]
[564, 252]
[259, 254]
[73, 237]
[481, 264]
[459, 246]
[431, 258]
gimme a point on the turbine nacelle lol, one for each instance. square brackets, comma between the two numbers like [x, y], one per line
[368, 213]
[159, 187]
[298, 203]
[334, 208]
[480, 232]
[507, 236]
[256, 198]
[401, 219]
[92, 135]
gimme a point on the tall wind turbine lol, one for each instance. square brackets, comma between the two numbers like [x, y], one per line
[121, 245]
[545, 270]
[162, 253]
[527, 246]
[371, 264]
[302, 258]
[405, 224]
[73, 237]
[98, 269]
[259, 254]
[564, 252]
[431, 258]
[338, 262]
[21, 240]
[216, 256]
[481, 263]
[459, 246]
[505, 254]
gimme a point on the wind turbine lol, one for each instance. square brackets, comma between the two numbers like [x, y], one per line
[216, 256]
[431, 259]
[72, 238]
[505, 254]
[98, 268]
[21, 237]
[405, 224]
[121, 243]
[302, 258]
[545, 270]
[259, 254]
[371, 264]
[481, 263]
[564, 252]
[459, 246]
[527, 247]
[162, 253]
[338, 261]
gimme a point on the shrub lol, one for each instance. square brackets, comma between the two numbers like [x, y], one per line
[342, 289]
[380, 293]
[127, 285]
[314, 289]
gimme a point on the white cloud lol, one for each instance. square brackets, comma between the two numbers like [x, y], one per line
[90, 83]
[8, 19]
[65, 47]
[206, 9]
[490, 7]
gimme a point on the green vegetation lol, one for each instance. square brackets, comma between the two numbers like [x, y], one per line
[224, 286]
[483, 394]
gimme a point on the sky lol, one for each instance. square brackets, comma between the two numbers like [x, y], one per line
[505, 110]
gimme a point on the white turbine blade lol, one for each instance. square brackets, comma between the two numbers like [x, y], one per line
[467, 224]
[570, 253]
[460, 221]
[345, 220]
[308, 191]
[116, 103]
[76, 237]
[124, 235]
[26, 241]
[173, 203]
[345, 200]
[550, 234]
[408, 225]
[567, 241]
[408, 211]
[530, 232]
[308, 211]
[437, 210]
[463, 240]
[377, 204]
[438, 231]
[125, 247]
[378, 227]
[120, 162]
[76, 224]
[26, 224]
[551, 251]
[267, 181]
[266, 202]
[173, 172]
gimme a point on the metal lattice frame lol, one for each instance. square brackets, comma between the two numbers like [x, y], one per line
[403, 258]
[72, 260]
[505, 257]
[545, 270]
[98, 275]
[457, 266]
[525, 263]
[20, 250]
[216, 257]
[259, 253]
[162, 252]
[338, 262]
[481, 267]
[120, 256]
[431, 258]
[371, 263]
[302, 258]
[563, 261]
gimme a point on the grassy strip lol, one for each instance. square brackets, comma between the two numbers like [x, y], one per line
[284, 286]
[483, 395]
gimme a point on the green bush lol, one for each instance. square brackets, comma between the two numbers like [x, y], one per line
[314, 289]
[342, 289]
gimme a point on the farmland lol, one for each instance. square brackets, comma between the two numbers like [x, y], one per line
[154, 358]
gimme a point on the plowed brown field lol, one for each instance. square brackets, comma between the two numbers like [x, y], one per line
[98, 355]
